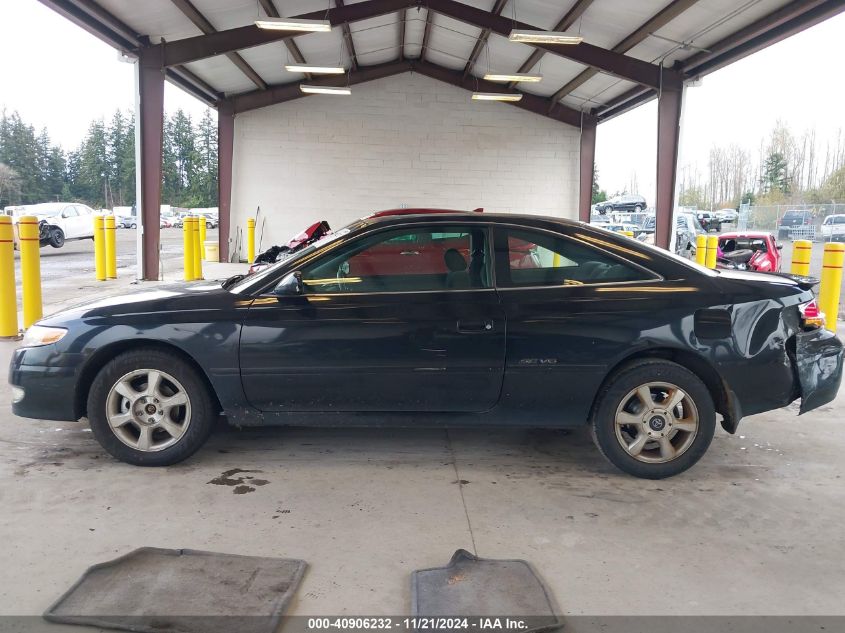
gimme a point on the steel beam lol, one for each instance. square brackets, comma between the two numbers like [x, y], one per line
[566, 21]
[529, 102]
[484, 36]
[669, 105]
[293, 49]
[225, 148]
[656, 22]
[203, 46]
[150, 121]
[201, 22]
[586, 169]
[403, 16]
[429, 16]
[287, 92]
[615, 64]
[347, 39]
[776, 26]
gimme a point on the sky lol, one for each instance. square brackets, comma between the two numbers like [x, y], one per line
[75, 78]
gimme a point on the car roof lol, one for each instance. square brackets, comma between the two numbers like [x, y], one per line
[737, 234]
[418, 211]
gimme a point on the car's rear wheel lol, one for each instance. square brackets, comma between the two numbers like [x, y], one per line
[57, 237]
[150, 408]
[654, 419]
[638, 208]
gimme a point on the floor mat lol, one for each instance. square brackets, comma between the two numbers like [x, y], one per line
[155, 590]
[469, 586]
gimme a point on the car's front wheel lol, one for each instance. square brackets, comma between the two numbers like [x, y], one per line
[150, 408]
[654, 419]
[57, 237]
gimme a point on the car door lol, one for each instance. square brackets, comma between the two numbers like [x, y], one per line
[382, 325]
[573, 309]
[67, 221]
[84, 226]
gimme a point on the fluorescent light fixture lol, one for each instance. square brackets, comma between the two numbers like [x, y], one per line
[315, 70]
[526, 77]
[544, 37]
[496, 96]
[325, 90]
[292, 24]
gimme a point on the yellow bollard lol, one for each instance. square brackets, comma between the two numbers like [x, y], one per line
[8, 298]
[831, 285]
[203, 229]
[197, 249]
[712, 251]
[111, 247]
[250, 240]
[188, 247]
[99, 248]
[701, 249]
[801, 252]
[30, 269]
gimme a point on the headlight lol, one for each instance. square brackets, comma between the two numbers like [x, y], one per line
[40, 335]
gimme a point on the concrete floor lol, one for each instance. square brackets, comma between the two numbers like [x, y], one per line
[754, 528]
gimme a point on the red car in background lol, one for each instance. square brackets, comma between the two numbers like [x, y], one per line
[428, 258]
[749, 250]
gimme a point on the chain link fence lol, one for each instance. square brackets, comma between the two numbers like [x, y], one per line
[788, 221]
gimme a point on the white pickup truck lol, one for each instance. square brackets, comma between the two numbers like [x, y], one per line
[59, 221]
[833, 227]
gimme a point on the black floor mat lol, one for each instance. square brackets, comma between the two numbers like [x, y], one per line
[153, 590]
[469, 586]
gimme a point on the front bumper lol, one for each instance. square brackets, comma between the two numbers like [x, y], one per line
[818, 367]
[45, 382]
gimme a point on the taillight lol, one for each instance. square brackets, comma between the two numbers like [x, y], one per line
[811, 316]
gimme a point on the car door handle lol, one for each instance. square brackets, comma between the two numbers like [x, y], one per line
[484, 325]
[409, 253]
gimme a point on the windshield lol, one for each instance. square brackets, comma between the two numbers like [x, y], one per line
[257, 280]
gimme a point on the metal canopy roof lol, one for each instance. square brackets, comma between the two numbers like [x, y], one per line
[212, 48]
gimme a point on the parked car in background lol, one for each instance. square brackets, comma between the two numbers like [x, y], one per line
[833, 227]
[211, 221]
[792, 220]
[126, 222]
[527, 321]
[726, 216]
[749, 250]
[60, 221]
[708, 221]
[625, 202]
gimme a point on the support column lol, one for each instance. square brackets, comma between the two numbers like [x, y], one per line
[149, 130]
[669, 106]
[587, 165]
[225, 147]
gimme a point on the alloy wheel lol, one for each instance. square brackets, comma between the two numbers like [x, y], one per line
[148, 410]
[656, 422]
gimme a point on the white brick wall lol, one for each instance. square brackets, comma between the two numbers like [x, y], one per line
[400, 141]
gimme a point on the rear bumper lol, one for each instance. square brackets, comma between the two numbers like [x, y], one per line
[818, 367]
[44, 390]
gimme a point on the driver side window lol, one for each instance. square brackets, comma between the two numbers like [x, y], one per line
[417, 259]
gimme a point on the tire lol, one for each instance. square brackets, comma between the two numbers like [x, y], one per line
[638, 209]
[133, 226]
[177, 432]
[57, 237]
[208, 225]
[619, 398]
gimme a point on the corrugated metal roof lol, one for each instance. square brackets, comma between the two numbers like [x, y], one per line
[604, 23]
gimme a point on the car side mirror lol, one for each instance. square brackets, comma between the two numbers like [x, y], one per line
[780, 247]
[290, 286]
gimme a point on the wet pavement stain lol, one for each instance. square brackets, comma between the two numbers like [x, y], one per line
[240, 481]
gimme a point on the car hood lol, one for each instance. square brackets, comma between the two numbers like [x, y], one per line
[166, 298]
